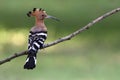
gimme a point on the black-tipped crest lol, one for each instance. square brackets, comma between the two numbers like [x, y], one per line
[34, 9]
[38, 12]
[29, 13]
[40, 9]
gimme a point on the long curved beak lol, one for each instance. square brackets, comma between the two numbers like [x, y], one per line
[52, 17]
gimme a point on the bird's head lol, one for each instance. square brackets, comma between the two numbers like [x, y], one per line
[40, 14]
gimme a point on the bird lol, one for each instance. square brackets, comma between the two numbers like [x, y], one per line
[37, 36]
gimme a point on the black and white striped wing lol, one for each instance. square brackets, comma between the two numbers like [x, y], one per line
[36, 40]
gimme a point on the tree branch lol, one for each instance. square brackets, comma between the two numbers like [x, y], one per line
[66, 37]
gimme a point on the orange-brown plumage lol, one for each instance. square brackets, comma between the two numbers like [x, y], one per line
[38, 34]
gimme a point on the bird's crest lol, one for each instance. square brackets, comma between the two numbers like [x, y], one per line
[36, 12]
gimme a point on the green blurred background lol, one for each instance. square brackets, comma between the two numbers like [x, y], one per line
[92, 55]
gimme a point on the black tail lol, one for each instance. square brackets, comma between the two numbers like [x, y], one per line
[31, 60]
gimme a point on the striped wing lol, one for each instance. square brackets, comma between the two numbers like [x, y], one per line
[36, 40]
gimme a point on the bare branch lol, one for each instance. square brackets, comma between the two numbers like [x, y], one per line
[66, 37]
[12, 57]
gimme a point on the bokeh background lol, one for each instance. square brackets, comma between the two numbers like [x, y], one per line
[92, 55]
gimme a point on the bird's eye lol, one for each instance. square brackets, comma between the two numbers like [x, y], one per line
[42, 15]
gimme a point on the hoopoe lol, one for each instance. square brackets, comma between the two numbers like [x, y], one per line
[37, 36]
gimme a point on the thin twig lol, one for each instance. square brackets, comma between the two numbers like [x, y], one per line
[66, 37]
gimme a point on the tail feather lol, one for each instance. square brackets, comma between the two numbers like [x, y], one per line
[30, 61]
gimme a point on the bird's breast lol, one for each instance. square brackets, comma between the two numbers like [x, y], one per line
[37, 29]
